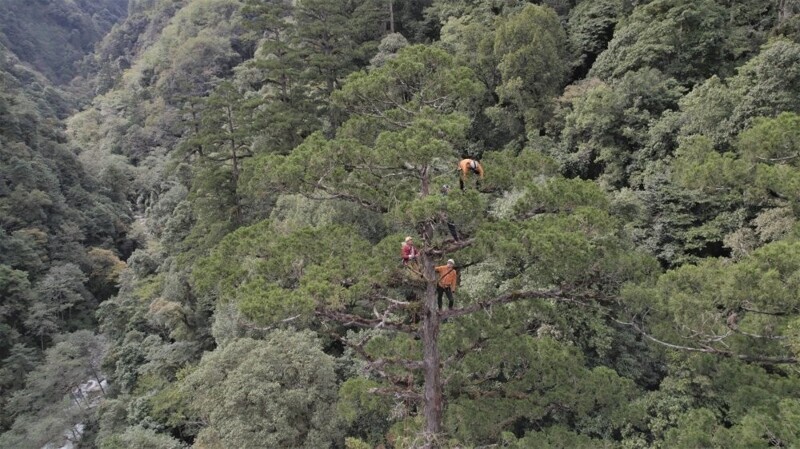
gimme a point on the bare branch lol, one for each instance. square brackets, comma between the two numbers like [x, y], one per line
[778, 159]
[765, 337]
[449, 248]
[367, 323]
[391, 300]
[764, 312]
[711, 350]
[399, 393]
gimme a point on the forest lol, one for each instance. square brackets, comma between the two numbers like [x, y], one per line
[204, 206]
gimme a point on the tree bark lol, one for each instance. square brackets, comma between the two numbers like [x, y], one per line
[425, 183]
[235, 167]
[431, 359]
[97, 378]
[786, 9]
[391, 16]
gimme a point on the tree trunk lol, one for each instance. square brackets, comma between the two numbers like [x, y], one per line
[234, 168]
[425, 183]
[431, 361]
[76, 400]
[785, 10]
[97, 378]
[196, 125]
[391, 16]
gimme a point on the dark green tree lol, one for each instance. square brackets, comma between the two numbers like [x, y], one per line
[685, 39]
[531, 49]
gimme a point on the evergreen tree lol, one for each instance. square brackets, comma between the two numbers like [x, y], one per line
[389, 157]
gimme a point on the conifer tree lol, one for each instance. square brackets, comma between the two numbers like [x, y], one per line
[408, 119]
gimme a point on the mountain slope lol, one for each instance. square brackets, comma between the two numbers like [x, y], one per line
[53, 36]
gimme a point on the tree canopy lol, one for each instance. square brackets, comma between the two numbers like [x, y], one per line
[203, 202]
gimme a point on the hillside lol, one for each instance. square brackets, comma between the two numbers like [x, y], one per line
[53, 36]
[217, 231]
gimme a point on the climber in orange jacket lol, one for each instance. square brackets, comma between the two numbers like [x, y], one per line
[448, 277]
[465, 166]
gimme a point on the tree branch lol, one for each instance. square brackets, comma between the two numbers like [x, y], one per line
[505, 299]
[355, 320]
[778, 159]
[765, 337]
[711, 350]
[449, 248]
[460, 354]
[762, 312]
[399, 393]
[377, 366]
[346, 197]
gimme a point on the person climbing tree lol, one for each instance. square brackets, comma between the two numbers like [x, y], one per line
[408, 251]
[465, 167]
[448, 277]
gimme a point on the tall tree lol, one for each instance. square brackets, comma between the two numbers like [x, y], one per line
[223, 143]
[336, 39]
[390, 157]
[531, 49]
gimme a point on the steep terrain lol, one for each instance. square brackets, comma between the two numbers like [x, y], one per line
[54, 36]
[217, 230]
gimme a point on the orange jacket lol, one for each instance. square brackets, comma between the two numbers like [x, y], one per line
[464, 168]
[447, 276]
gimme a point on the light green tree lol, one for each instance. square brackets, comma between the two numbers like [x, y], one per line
[276, 392]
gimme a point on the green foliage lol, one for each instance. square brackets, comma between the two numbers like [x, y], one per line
[274, 154]
[405, 121]
[279, 276]
[142, 438]
[557, 437]
[747, 304]
[590, 28]
[771, 141]
[365, 412]
[688, 40]
[280, 392]
[765, 83]
[606, 126]
[42, 409]
[713, 403]
[762, 87]
[758, 180]
[52, 211]
[523, 381]
[54, 36]
[531, 48]
[561, 195]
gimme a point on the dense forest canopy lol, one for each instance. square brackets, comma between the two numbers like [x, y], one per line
[202, 206]
[53, 36]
